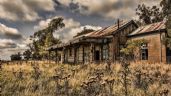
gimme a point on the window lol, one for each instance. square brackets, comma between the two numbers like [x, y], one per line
[144, 52]
[105, 52]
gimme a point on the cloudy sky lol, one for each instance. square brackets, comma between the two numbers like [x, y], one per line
[21, 18]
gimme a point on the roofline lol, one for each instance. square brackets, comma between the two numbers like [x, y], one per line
[79, 40]
[131, 21]
[107, 36]
[147, 33]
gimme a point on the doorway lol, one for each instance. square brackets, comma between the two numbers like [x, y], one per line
[168, 55]
[97, 55]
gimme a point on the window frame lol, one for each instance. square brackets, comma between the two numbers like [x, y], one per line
[105, 51]
[144, 51]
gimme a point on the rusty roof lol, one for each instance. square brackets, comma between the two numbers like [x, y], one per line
[149, 28]
[102, 33]
[108, 30]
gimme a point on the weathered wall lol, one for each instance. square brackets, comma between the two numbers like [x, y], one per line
[156, 49]
[119, 39]
[79, 54]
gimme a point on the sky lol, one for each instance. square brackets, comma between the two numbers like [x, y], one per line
[21, 18]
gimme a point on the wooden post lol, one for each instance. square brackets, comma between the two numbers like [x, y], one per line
[83, 54]
[56, 53]
[91, 50]
[101, 49]
[75, 61]
[63, 56]
[49, 56]
[94, 53]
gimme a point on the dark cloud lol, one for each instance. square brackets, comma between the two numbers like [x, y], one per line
[106, 8]
[25, 10]
[12, 36]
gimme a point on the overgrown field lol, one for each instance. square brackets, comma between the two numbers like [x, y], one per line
[44, 79]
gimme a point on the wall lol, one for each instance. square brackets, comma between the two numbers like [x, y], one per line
[156, 49]
[119, 39]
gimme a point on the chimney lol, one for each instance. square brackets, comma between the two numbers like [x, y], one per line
[118, 23]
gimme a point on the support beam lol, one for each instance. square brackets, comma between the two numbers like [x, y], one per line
[83, 54]
[56, 53]
[101, 51]
[93, 53]
[75, 49]
[49, 56]
[63, 56]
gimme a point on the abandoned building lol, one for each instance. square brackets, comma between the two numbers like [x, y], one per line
[105, 44]
[155, 50]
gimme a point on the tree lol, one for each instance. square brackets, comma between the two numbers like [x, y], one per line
[148, 15]
[84, 31]
[165, 4]
[16, 56]
[131, 46]
[27, 54]
[166, 8]
[43, 39]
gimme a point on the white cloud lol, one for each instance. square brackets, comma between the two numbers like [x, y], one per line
[6, 53]
[42, 24]
[69, 23]
[7, 43]
[9, 32]
[27, 41]
[9, 47]
[26, 10]
[68, 35]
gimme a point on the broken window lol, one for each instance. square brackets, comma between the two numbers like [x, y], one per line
[97, 55]
[144, 52]
[105, 52]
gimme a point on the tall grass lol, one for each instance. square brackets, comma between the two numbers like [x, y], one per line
[50, 79]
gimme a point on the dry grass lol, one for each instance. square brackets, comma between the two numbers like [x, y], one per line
[44, 79]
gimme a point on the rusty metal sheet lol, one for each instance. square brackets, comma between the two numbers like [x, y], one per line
[149, 28]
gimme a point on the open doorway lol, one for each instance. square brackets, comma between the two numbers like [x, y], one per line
[168, 55]
[97, 55]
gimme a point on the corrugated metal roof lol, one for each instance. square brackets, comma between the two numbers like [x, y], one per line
[107, 30]
[101, 32]
[149, 28]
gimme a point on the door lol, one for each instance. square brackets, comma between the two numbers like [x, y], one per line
[168, 55]
[97, 55]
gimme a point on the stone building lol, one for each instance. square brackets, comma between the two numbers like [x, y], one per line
[105, 44]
